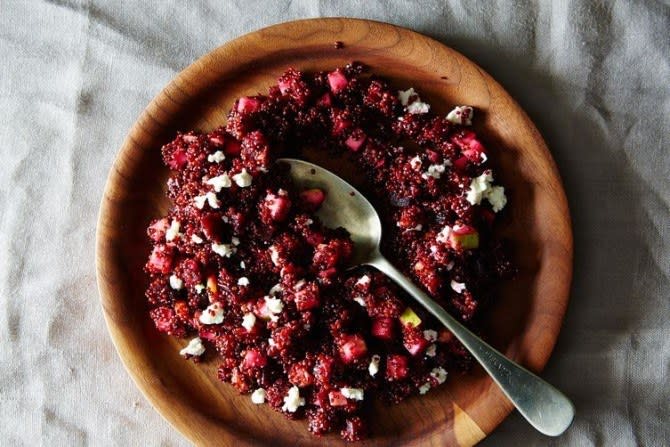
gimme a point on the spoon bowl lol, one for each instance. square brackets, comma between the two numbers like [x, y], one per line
[542, 405]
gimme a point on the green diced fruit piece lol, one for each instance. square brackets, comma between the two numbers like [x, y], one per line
[464, 238]
[410, 318]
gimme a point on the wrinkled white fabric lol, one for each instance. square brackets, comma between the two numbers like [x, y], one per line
[74, 75]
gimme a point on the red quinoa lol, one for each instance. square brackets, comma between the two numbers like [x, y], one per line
[242, 262]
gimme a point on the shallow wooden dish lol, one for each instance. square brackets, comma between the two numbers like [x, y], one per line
[524, 323]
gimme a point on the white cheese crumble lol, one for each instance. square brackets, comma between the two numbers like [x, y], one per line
[243, 265]
[243, 179]
[443, 236]
[216, 157]
[176, 283]
[373, 368]
[194, 348]
[363, 280]
[293, 400]
[352, 393]
[199, 288]
[418, 107]
[415, 162]
[225, 250]
[196, 239]
[461, 115]
[243, 281]
[423, 389]
[436, 170]
[439, 374]
[274, 305]
[274, 290]
[360, 301]
[404, 95]
[173, 232]
[210, 198]
[248, 321]
[212, 315]
[451, 265]
[271, 342]
[431, 351]
[220, 182]
[258, 396]
[457, 287]
[480, 188]
[497, 198]
[274, 255]
[430, 335]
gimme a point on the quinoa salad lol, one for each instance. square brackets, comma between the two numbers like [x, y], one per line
[244, 271]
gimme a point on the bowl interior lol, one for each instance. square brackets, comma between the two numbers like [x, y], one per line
[523, 322]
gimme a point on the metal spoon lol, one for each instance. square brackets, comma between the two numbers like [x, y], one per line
[546, 408]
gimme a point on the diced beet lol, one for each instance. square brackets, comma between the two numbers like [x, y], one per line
[160, 260]
[471, 147]
[232, 147]
[337, 399]
[414, 341]
[382, 328]
[461, 164]
[337, 81]
[283, 85]
[300, 374]
[352, 348]
[307, 297]
[396, 367]
[355, 140]
[157, 229]
[178, 160]
[254, 358]
[181, 309]
[312, 198]
[212, 226]
[325, 100]
[248, 104]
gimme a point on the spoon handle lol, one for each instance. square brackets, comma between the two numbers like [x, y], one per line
[542, 405]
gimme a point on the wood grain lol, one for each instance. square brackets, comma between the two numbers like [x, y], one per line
[523, 323]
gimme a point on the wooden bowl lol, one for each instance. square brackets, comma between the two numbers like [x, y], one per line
[523, 323]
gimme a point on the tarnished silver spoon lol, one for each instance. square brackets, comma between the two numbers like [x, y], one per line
[543, 406]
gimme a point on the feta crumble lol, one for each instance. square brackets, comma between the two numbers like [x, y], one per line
[274, 305]
[243, 179]
[439, 374]
[363, 280]
[405, 95]
[196, 239]
[199, 288]
[243, 265]
[176, 283]
[373, 368]
[293, 400]
[274, 290]
[248, 321]
[431, 351]
[436, 170]
[418, 107]
[481, 188]
[415, 162]
[423, 389]
[194, 348]
[225, 250]
[430, 335]
[216, 157]
[210, 198]
[235, 241]
[360, 301]
[352, 393]
[173, 233]
[461, 115]
[443, 236]
[457, 287]
[258, 396]
[243, 281]
[274, 254]
[220, 182]
[212, 315]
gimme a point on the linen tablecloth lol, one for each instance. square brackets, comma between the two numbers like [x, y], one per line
[74, 75]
